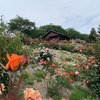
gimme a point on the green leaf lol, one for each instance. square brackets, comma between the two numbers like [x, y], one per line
[20, 92]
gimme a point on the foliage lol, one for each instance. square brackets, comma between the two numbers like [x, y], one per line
[96, 47]
[91, 74]
[44, 29]
[94, 81]
[9, 45]
[94, 71]
[63, 81]
[74, 34]
[20, 24]
[66, 46]
[79, 94]
[3, 26]
[31, 80]
[84, 37]
[92, 35]
[25, 75]
[98, 29]
[51, 44]
[4, 78]
[39, 74]
[43, 55]
[53, 90]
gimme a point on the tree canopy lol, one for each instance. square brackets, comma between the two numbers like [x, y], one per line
[92, 35]
[23, 25]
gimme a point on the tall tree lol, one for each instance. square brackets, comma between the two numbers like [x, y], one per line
[3, 26]
[20, 24]
[93, 34]
[46, 28]
[98, 29]
[73, 33]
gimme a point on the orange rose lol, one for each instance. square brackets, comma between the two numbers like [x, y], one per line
[13, 62]
[31, 94]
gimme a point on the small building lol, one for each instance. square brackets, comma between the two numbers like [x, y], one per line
[53, 35]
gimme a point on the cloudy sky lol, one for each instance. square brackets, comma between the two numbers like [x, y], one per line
[79, 14]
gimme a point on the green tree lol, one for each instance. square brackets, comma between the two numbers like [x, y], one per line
[92, 35]
[23, 25]
[3, 26]
[84, 37]
[43, 29]
[73, 33]
[98, 29]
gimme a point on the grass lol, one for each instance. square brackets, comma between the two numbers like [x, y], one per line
[63, 81]
[80, 93]
[25, 75]
[31, 80]
[39, 74]
[69, 59]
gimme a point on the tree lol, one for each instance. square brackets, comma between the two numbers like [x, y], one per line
[20, 24]
[98, 29]
[73, 33]
[84, 37]
[43, 29]
[3, 26]
[93, 34]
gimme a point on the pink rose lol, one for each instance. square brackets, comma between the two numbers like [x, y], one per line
[81, 50]
[98, 63]
[86, 67]
[56, 71]
[76, 73]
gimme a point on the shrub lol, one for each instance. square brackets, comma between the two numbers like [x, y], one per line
[9, 45]
[67, 47]
[43, 55]
[94, 71]
[52, 45]
[94, 80]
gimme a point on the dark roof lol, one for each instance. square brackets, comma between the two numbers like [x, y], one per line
[54, 35]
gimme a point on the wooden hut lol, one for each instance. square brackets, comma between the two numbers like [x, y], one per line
[53, 35]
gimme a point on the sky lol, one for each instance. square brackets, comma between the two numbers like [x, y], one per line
[82, 15]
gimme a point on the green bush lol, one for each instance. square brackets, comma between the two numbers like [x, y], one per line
[9, 45]
[52, 45]
[94, 80]
[67, 47]
[43, 55]
[94, 71]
